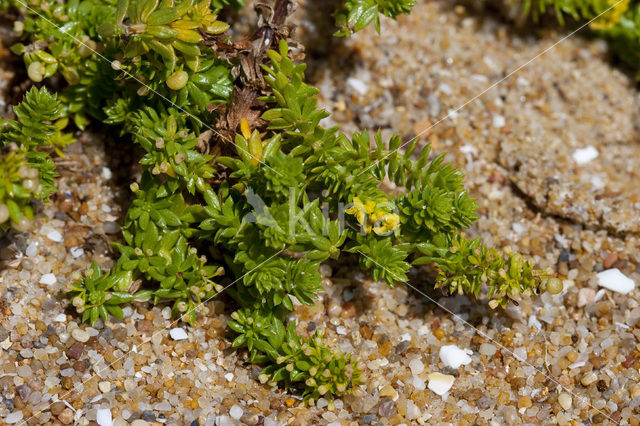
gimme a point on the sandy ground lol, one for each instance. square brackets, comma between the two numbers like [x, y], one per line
[569, 359]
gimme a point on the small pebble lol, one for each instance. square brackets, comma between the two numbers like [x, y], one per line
[55, 236]
[564, 399]
[488, 349]
[14, 417]
[440, 383]
[80, 335]
[104, 387]
[589, 378]
[76, 251]
[453, 357]
[48, 279]
[103, 417]
[416, 366]
[236, 412]
[585, 155]
[178, 334]
[615, 280]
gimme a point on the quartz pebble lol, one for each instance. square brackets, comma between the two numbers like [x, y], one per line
[453, 357]
[416, 366]
[76, 251]
[440, 383]
[103, 417]
[55, 236]
[615, 280]
[80, 335]
[48, 279]
[178, 334]
[236, 412]
[104, 387]
[14, 417]
[585, 155]
[564, 399]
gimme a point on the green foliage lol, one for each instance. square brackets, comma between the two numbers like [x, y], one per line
[357, 14]
[145, 41]
[292, 195]
[26, 169]
[619, 22]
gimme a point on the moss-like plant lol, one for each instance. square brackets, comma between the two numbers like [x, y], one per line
[617, 21]
[26, 168]
[255, 192]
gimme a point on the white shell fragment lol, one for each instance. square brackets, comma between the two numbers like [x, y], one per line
[615, 280]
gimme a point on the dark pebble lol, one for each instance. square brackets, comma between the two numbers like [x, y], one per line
[564, 256]
[3, 334]
[311, 326]
[106, 333]
[148, 415]
[194, 423]
[387, 408]
[24, 391]
[120, 334]
[368, 418]
[602, 385]
[402, 347]
[80, 366]
[75, 351]
[9, 404]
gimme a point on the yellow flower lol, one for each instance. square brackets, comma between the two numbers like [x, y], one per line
[388, 222]
[360, 210]
[368, 216]
[612, 17]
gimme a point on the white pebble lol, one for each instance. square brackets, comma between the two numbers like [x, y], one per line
[452, 356]
[585, 296]
[104, 387]
[499, 121]
[416, 366]
[103, 417]
[60, 318]
[488, 349]
[615, 280]
[48, 279]
[236, 412]
[229, 377]
[55, 236]
[76, 251]
[32, 249]
[14, 417]
[341, 330]
[80, 335]
[357, 85]
[440, 383]
[178, 334]
[585, 155]
[418, 383]
[565, 400]
[106, 173]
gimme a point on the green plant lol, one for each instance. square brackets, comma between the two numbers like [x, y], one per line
[617, 21]
[357, 14]
[264, 210]
[26, 168]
